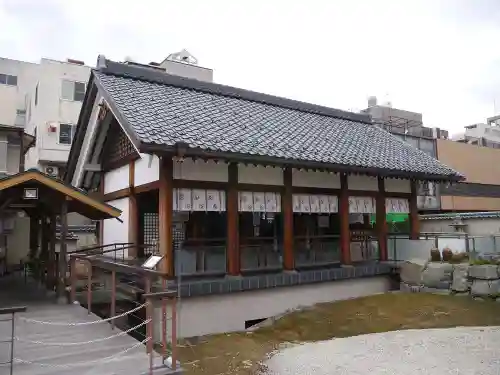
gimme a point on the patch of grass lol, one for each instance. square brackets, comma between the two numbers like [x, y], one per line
[240, 353]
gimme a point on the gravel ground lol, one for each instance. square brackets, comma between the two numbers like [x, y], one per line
[457, 351]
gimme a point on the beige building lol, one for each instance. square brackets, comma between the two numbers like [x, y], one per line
[481, 167]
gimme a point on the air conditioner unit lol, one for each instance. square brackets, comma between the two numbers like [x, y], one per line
[52, 171]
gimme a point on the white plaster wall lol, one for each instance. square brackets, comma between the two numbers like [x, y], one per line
[228, 312]
[147, 169]
[251, 174]
[13, 154]
[315, 179]
[115, 231]
[475, 227]
[355, 182]
[397, 186]
[116, 179]
[201, 170]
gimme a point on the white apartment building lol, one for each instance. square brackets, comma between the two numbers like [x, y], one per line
[45, 99]
[487, 134]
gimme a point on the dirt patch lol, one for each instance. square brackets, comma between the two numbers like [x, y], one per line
[241, 353]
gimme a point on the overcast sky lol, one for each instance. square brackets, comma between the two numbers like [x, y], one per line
[438, 57]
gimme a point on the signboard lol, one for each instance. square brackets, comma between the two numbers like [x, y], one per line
[152, 261]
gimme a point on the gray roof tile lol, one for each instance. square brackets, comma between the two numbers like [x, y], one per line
[160, 110]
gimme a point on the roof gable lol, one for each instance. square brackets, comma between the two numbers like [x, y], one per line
[165, 111]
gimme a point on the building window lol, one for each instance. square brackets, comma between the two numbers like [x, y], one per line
[74, 91]
[66, 132]
[6, 79]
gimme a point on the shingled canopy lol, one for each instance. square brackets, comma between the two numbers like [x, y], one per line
[162, 113]
[35, 191]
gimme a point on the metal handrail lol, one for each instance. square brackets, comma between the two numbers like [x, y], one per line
[12, 311]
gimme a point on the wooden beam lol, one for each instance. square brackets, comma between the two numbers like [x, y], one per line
[414, 220]
[133, 213]
[381, 222]
[92, 167]
[233, 246]
[165, 207]
[287, 207]
[345, 236]
[44, 248]
[21, 152]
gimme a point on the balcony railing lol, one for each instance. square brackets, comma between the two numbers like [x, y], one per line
[202, 256]
[261, 253]
[317, 250]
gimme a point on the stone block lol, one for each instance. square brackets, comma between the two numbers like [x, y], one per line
[460, 281]
[411, 271]
[444, 291]
[436, 275]
[485, 288]
[484, 271]
[407, 288]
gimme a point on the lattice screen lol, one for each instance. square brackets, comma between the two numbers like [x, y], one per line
[151, 231]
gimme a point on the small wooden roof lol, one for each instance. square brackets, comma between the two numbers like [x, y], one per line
[50, 193]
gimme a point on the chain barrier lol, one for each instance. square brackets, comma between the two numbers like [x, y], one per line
[123, 333]
[83, 323]
[84, 363]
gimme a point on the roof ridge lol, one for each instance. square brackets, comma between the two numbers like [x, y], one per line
[154, 75]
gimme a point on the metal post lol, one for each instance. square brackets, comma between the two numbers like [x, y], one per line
[89, 288]
[149, 325]
[113, 298]
[164, 320]
[72, 270]
[12, 346]
[174, 334]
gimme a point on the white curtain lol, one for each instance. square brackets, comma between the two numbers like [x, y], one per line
[397, 205]
[199, 200]
[259, 202]
[305, 203]
[362, 205]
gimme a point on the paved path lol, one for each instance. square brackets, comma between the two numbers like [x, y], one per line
[457, 351]
[97, 358]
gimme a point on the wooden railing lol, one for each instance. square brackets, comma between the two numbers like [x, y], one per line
[261, 253]
[10, 314]
[313, 251]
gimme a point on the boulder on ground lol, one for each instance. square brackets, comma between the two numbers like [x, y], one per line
[460, 281]
[485, 288]
[411, 271]
[484, 271]
[437, 275]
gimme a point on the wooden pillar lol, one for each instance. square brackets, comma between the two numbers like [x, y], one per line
[133, 214]
[233, 243]
[101, 222]
[61, 282]
[52, 268]
[44, 250]
[287, 208]
[414, 220]
[165, 207]
[34, 235]
[345, 236]
[381, 223]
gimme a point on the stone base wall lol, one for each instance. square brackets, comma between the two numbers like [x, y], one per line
[479, 281]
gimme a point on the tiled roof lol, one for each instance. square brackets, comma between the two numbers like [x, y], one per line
[161, 109]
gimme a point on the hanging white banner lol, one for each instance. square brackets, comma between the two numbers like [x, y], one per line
[397, 205]
[213, 200]
[314, 200]
[362, 205]
[304, 203]
[245, 201]
[259, 202]
[271, 202]
[199, 200]
[184, 200]
[333, 202]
